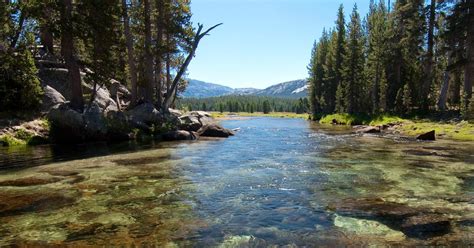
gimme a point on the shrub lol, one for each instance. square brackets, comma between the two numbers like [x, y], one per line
[19, 85]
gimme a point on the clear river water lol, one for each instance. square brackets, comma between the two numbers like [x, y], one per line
[277, 183]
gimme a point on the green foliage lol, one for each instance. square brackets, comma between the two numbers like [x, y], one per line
[353, 68]
[361, 119]
[8, 140]
[22, 134]
[19, 85]
[380, 65]
[341, 119]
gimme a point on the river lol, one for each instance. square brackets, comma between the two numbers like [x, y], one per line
[278, 182]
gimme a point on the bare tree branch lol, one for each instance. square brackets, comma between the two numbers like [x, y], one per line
[197, 38]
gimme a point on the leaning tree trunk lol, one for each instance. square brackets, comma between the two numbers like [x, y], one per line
[67, 50]
[148, 82]
[130, 52]
[170, 93]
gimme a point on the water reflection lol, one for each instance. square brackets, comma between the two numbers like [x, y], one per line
[278, 182]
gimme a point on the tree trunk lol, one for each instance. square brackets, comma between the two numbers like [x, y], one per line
[67, 50]
[148, 87]
[47, 39]
[130, 52]
[159, 51]
[469, 68]
[429, 57]
[168, 64]
[21, 22]
[443, 96]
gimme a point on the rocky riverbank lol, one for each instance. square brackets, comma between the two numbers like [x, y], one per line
[108, 117]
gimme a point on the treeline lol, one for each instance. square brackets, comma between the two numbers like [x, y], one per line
[248, 104]
[147, 45]
[406, 57]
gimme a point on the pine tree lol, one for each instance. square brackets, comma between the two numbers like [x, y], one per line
[376, 58]
[316, 71]
[266, 107]
[353, 66]
[330, 84]
[409, 26]
[339, 52]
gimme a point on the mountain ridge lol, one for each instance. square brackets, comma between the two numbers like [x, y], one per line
[290, 89]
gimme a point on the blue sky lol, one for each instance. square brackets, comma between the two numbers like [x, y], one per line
[262, 42]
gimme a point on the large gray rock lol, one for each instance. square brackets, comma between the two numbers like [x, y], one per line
[95, 123]
[215, 130]
[190, 123]
[71, 126]
[105, 101]
[194, 120]
[145, 114]
[51, 98]
[119, 128]
[67, 125]
[119, 91]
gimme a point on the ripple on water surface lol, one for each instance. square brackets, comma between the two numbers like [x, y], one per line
[277, 182]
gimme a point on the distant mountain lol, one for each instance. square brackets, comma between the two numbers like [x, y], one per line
[245, 91]
[200, 89]
[293, 89]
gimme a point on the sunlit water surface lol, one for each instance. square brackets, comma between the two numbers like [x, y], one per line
[277, 182]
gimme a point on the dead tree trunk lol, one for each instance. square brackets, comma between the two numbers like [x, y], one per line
[197, 38]
[130, 52]
[67, 50]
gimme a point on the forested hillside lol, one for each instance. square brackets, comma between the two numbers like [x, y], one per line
[250, 104]
[404, 57]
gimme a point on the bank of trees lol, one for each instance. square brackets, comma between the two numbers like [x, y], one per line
[410, 56]
[145, 44]
[248, 104]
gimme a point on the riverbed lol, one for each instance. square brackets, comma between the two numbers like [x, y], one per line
[277, 182]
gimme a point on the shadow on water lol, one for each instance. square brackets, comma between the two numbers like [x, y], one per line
[277, 182]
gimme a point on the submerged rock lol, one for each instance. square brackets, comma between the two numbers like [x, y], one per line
[429, 136]
[424, 226]
[368, 227]
[30, 181]
[368, 129]
[180, 135]
[15, 203]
